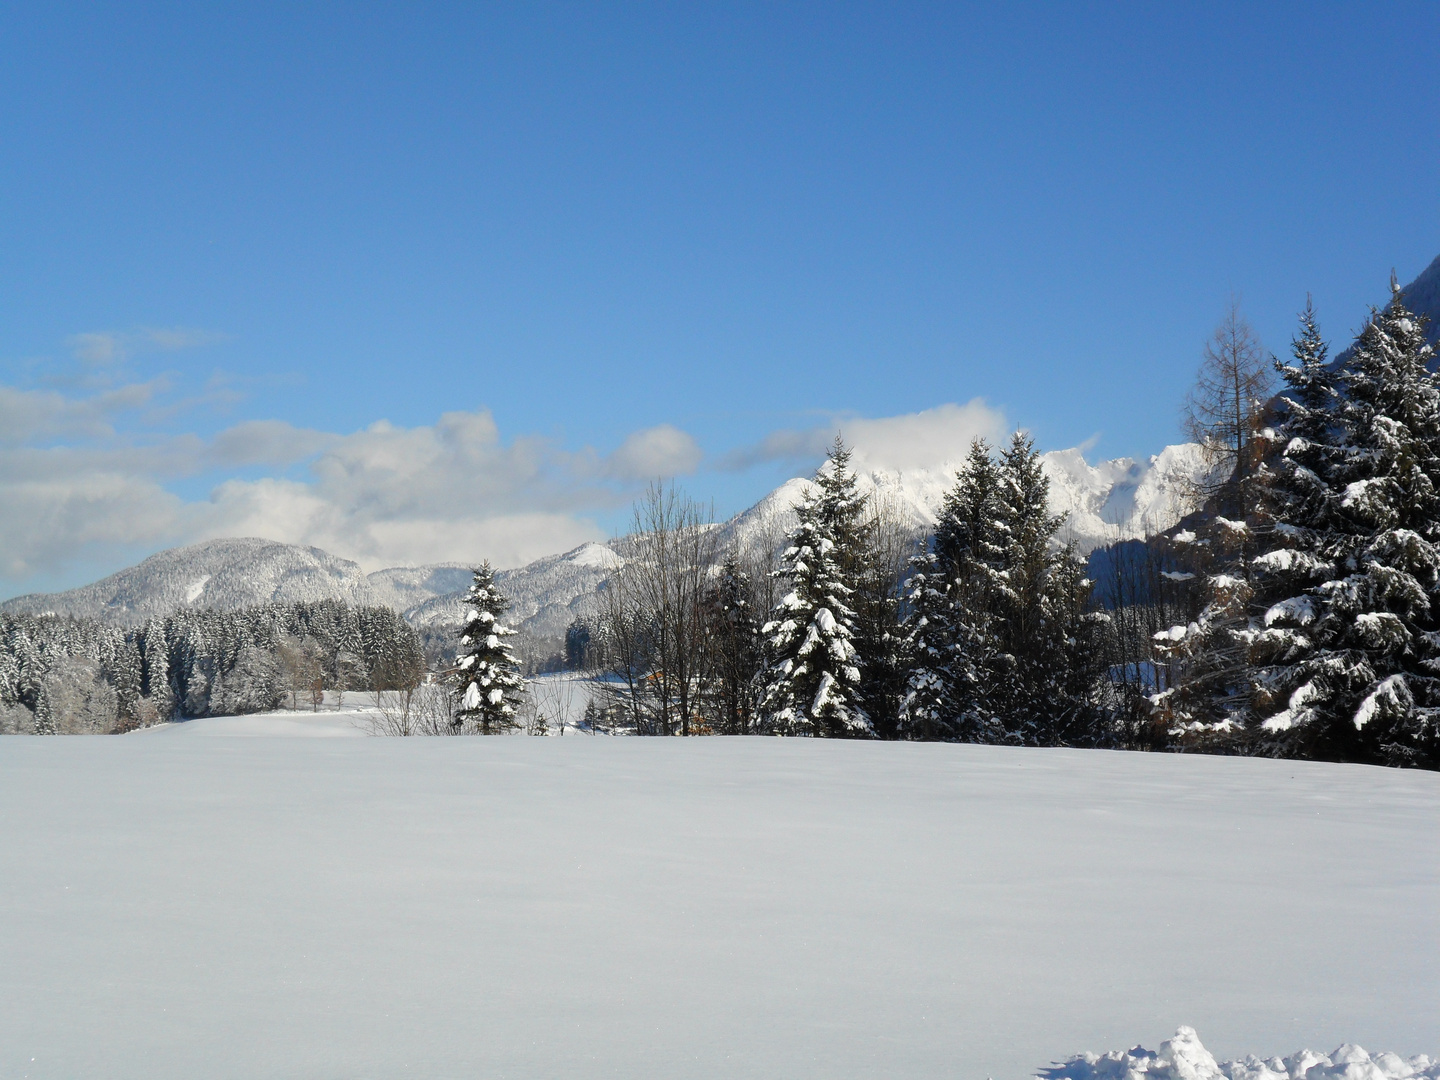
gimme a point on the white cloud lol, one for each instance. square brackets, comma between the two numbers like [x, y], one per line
[657, 452]
[388, 495]
[925, 439]
[266, 442]
[75, 483]
[71, 484]
[111, 346]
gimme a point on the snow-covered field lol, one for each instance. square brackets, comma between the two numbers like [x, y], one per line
[595, 907]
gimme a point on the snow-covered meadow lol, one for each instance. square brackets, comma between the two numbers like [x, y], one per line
[588, 907]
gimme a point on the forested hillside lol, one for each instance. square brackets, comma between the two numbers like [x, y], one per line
[71, 675]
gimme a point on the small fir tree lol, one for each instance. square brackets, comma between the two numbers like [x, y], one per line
[813, 679]
[490, 685]
[928, 710]
[735, 647]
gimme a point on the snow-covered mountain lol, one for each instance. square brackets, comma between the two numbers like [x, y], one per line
[1106, 502]
[1120, 499]
[545, 595]
[223, 574]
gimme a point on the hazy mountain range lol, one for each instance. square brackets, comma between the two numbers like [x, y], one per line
[1113, 500]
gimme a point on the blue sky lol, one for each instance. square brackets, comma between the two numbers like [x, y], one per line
[606, 238]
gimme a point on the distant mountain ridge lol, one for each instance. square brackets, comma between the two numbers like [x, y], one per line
[1113, 500]
[225, 574]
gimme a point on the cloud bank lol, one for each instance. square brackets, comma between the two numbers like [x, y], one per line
[77, 483]
[925, 439]
[73, 484]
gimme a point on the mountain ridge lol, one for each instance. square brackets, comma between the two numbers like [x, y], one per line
[1112, 500]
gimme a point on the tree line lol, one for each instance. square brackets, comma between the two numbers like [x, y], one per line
[860, 625]
[1296, 613]
[73, 675]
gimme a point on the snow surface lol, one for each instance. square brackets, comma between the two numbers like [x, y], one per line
[286, 722]
[601, 907]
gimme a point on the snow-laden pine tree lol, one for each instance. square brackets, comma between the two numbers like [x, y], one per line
[812, 683]
[1000, 646]
[1308, 537]
[1046, 666]
[971, 538]
[928, 710]
[1209, 704]
[734, 647]
[489, 683]
[1364, 682]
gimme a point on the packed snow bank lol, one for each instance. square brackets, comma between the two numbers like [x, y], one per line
[685, 908]
[1185, 1058]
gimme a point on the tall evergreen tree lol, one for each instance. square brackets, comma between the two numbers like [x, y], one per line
[952, 642]
[812, 684]
[1369, 687]
[489, 683]
[734, 642]
[1307, 536]
[1046, 667]
[999, 645]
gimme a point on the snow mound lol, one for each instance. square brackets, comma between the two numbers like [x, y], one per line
[1184, 1057]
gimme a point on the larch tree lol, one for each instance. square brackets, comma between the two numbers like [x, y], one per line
[1211, 702]
[489, 683]
[1225, 410]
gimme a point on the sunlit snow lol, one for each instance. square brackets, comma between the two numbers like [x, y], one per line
[597, 907]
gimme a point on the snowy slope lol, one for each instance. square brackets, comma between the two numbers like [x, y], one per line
[402, 588]
[216, 574]
[545, 595]
[696, 908]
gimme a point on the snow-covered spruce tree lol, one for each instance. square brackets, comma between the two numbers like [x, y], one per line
[928, 710]
[969, 546]
[489, 683]
[1308, 537]
[1208, 705]
[812, 684]
[1367, 686]
[889, 541]
[1046, 667]
[733, 639]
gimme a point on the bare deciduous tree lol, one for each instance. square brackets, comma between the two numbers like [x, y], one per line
[1224, 410]
[420, 709]
[652, 614]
